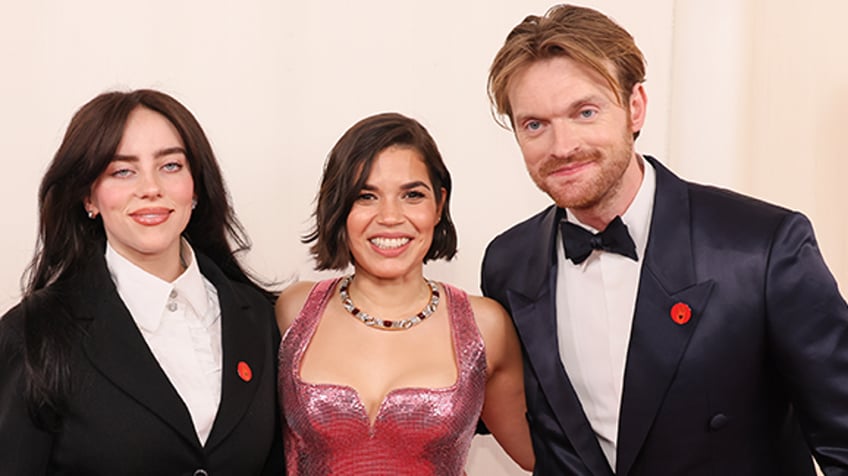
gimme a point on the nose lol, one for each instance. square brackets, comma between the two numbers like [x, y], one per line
[390, 212]
[148, 185]
[564, 140]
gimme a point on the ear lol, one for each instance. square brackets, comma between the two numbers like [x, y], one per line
[89, 206]
[441, 205]
[637, 105]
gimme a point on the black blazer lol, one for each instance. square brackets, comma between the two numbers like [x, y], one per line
[766, 346]
[124, 415]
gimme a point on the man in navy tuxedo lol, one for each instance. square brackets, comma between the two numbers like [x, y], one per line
[668, 328]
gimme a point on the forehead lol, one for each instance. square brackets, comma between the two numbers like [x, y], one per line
[556, 79]
[398, 159]
[146, 127]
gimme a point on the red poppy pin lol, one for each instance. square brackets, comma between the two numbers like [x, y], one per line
[244, 371]
[681, 313]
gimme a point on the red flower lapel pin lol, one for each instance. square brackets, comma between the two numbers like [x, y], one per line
[244, 371]
[681, 313]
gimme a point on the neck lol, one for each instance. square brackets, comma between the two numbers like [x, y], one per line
[166, 266]
[389, 298]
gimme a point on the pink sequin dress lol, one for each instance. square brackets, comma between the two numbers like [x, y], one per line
[417, 431]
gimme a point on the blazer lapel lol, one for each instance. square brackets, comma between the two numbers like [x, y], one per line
[243, 343]
[117, 349]
[533, 305]
[658, 342]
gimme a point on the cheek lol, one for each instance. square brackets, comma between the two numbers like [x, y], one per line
[105, 197]
[533, 151]
[182, 191]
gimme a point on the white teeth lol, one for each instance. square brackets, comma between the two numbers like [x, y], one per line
[389, 243]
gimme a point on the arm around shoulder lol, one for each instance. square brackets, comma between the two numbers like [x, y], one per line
[505, 406]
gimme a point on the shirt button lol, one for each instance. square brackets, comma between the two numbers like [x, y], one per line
[172, 306]
[718, 421]
[173, 294]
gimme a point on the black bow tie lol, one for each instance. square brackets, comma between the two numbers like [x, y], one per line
[579, 242]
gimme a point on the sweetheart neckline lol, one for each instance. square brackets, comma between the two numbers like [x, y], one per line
[363, 412]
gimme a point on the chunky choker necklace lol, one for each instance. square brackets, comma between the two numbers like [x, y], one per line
[387, 325]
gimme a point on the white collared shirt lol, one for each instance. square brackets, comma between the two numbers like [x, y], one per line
[181, 323]
[595, 301]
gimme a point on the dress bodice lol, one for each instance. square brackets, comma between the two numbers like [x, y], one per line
[416, 431]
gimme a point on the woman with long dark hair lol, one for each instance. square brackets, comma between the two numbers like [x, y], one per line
[141, 345]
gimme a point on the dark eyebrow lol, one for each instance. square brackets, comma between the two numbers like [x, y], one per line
[157, 154]
[416, 184]
[406, 186]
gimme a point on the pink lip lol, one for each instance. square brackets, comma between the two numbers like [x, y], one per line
[151, 216]
[571, 168]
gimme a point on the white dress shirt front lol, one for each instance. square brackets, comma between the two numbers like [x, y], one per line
[181, 323]
[595, 301]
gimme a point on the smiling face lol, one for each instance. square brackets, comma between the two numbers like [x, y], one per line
[145, 194]
[576, 139]
[390, 225]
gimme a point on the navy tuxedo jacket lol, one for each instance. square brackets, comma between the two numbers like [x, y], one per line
[124, 415]
[752, 384]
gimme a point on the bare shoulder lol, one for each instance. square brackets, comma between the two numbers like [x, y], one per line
[290, 302]
[489, 314]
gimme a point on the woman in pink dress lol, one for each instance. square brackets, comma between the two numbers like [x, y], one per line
[384, 371]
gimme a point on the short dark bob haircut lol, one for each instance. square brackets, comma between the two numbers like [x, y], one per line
[347, 169]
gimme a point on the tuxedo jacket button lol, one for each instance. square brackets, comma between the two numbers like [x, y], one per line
[718, 421]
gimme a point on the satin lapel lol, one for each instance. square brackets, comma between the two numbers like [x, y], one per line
[657, 342]
[116, 348]
[243, 341]
[533, 307]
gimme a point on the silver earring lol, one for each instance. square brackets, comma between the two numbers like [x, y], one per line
[193, 203]
[91, 215]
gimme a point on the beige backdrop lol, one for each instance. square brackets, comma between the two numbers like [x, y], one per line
[743, 94]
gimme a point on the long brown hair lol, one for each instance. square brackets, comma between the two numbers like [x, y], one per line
[68, 239]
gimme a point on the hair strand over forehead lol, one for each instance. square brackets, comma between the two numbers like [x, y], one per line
[580, 34]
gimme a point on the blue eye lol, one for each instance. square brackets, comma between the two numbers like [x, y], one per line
[588, 113]
[533, 125]
[120, 173]
[172, 166]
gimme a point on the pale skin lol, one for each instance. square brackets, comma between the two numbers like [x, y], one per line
[390, 229]
[144, 196]
[577, 137]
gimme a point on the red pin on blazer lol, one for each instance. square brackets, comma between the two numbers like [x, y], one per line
[244, 371]
[681, 313]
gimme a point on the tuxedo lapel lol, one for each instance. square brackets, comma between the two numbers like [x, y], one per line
[243, 345]
[532, 302]
[658, 342]
[116, 348]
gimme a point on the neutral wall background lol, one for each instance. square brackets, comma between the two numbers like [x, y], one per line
[740, 95]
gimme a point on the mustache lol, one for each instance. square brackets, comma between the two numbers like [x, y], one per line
[554, 163]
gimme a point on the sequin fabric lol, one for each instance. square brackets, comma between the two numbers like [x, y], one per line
[417, 431]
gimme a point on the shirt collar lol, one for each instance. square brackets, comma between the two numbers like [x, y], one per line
[638, 215]
[146, 296]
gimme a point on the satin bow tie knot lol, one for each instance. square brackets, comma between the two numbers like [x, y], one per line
[579, 242]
